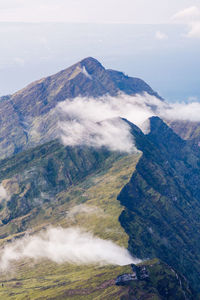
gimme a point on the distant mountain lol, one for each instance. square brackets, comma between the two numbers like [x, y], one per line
[187, 130]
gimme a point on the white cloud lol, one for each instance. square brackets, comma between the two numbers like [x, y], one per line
[180, 111]
[60, 245]
[194, 30]
[3, 193]
[84, 209]
[97, 122]
[189, 14]
[191, 17]
[161, 35]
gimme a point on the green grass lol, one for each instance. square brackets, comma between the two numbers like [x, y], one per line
[47, 280]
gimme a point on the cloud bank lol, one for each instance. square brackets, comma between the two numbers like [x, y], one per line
[71, 245]
[97, 122]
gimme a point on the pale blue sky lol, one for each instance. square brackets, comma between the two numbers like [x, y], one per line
[125, 11]
[165, 53]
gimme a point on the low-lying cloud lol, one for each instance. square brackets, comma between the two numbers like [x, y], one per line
[72, 245]
[84, 209]
[3, 193]
[98, 122]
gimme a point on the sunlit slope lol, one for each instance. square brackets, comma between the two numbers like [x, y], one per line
[63, 186]
[46, 280]
[51, 184]
[88, 201]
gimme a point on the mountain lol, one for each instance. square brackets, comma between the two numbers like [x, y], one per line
[187, 130]
[162, 201]
[24, 113]
[146, 200]
[56, 282]
[78, 186]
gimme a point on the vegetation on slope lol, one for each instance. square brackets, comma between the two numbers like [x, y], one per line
[162, 201]
[85, 198]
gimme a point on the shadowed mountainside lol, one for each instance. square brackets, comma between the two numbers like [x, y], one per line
[162, 201]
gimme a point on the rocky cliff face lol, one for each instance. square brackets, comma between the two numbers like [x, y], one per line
[162, 201]
[154, 280]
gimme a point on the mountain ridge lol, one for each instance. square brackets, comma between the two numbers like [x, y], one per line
[25, 112]
[44, 183]
[98, 187]
[161, 200]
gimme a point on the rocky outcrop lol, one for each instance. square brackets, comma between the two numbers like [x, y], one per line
[154, 280]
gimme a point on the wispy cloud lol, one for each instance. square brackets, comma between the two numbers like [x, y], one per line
[161, 35]
[97, 122]
[3, 193]
[189, 14]
[194, 30]
[191, 17]
[72, 245]
[84, 209]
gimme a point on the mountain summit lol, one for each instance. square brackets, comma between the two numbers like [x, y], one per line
[87, 78]
[24, 110]
[68, 212]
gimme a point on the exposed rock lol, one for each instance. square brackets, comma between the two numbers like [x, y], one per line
[164, 195]
[125, 279]
[26, 117]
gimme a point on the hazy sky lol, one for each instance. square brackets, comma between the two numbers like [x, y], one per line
[164, 53]
[125, 11]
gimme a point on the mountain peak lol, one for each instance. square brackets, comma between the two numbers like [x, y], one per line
[91, 65]
[86, 78]
[90, 60]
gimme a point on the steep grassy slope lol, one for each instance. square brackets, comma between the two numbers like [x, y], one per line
[57, 282]
[162, 201]
[88, 201]
[36, 176]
